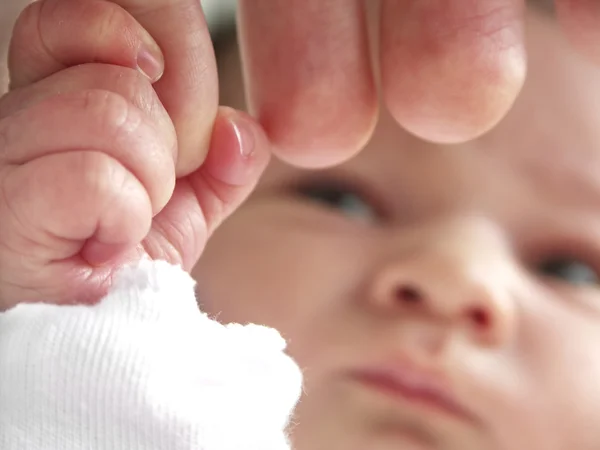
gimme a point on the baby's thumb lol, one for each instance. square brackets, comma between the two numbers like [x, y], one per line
[239, 152]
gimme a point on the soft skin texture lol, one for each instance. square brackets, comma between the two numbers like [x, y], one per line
[479, 262]
[88, 158]
[187, 88]
[451, 69]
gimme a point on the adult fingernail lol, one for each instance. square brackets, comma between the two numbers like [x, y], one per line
[150, 60]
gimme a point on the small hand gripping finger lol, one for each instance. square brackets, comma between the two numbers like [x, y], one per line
[97, 168]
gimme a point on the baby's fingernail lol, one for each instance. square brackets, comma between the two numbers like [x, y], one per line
[244, 132]
[150, 60]
[239, 150]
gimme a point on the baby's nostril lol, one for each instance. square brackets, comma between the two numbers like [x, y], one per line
[408, 294]
[480, 317]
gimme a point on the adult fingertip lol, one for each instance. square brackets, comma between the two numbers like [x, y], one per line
[322, 140]
[309, 77]
[451, 73]
[443, 119]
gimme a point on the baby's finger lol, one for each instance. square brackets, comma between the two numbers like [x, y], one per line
[580, 19]
[53, 34]
[309, 76]
[451, 69]
[239, 153]
[50, 208]
[94, 112]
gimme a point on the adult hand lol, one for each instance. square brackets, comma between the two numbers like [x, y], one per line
[450, 69]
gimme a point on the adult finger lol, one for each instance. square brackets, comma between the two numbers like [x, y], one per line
[580, 19]
[53, 34]
[451, 69]
[309, 76]
[188, 88]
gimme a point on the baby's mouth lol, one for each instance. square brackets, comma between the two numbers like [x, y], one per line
[417, 388]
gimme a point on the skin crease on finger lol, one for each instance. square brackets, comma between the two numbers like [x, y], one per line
[480, 262]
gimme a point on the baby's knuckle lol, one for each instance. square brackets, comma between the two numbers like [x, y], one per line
[133, 86]
[112, 113]
[100, 176]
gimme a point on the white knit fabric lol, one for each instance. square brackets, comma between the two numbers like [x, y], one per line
[142, 370]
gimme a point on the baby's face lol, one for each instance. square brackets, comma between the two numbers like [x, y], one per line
[436, 297]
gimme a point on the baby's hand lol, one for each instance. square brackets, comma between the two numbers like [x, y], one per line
[88, 156]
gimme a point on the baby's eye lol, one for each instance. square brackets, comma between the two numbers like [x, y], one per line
[569, 270]
[343, 199]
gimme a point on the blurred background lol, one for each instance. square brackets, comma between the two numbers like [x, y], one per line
[219, 13]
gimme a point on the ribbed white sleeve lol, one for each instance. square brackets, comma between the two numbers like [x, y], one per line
[143, 369]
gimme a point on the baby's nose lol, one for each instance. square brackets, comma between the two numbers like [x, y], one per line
[460, 274]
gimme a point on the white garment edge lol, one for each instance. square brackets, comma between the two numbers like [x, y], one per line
[144, 369]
